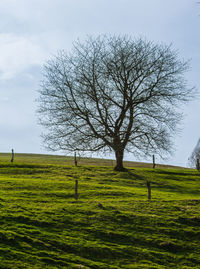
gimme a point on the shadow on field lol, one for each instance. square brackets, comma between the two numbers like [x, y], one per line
[178, 173]
[10, 165]
[24, 169]
[132, 175]
[175, 188]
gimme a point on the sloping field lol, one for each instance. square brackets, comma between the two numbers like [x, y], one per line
[111, 225]
[60, 159]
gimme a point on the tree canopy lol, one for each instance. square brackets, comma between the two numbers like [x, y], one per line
[113, 93]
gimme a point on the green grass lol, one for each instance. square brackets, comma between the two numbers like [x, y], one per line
[112, 225]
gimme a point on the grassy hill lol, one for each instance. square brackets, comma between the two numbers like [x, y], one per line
[111, 225]
[60, 159]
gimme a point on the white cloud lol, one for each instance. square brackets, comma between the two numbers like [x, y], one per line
[17, 54]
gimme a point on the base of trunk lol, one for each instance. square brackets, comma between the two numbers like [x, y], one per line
[119, 168]
[119, 161]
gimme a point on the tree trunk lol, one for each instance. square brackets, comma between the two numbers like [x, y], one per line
[119, 154]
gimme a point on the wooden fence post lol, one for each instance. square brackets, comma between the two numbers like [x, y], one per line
[12, 156]
[76, 189]
[149, 189]
[154, 164]
[75, 159]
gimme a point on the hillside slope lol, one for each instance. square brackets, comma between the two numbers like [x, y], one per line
[111, 225]
[67, 160]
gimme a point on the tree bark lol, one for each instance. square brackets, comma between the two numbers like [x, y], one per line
[119, 154]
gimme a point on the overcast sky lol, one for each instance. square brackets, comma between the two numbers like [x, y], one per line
[31, 31]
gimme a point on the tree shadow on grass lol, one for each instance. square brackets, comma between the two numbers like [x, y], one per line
[166, 186]
[134, 175]
[175, 188]
[178, 173]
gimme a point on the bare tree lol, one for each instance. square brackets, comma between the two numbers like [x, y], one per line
[194, 159]
[113, 94]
